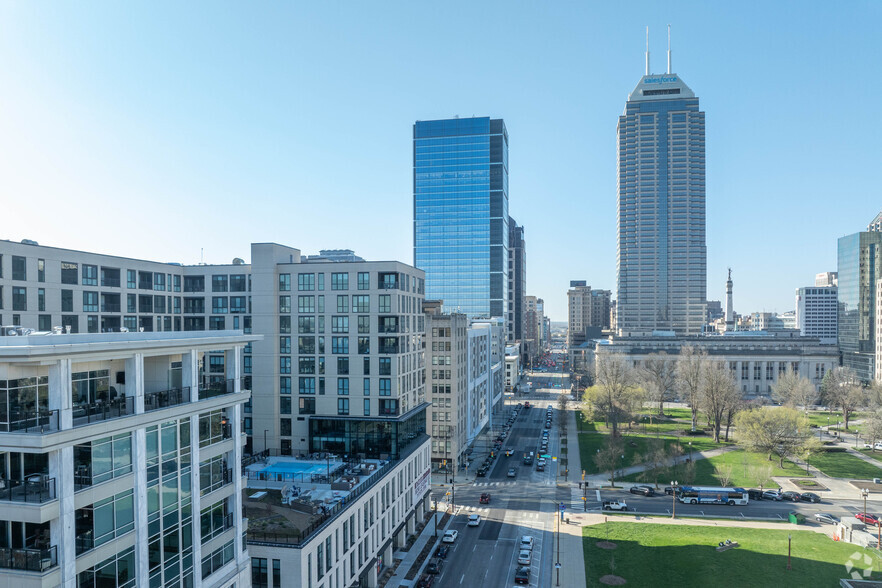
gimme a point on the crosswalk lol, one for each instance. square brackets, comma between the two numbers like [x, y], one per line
[493, 484]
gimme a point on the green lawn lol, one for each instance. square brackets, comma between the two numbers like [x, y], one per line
[819, 418]
[745, 470]
[685, 556]
[842, 465]
[589, 443]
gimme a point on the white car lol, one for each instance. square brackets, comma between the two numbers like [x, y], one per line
[867, 446]
[877, 445]
[474, 520]
[526, 543]
[450, 536]
[525, 557]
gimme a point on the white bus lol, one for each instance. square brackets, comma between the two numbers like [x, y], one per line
[712, 495]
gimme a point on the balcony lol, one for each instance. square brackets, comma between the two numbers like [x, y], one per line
[28, 559]
[29, 421]
[88, 413]
[209, 388]
[166, 398]
[216, 481]
[35, 489]
[110, 307]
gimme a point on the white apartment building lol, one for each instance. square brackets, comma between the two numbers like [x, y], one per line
[512, 366]
[486, 375]
[817, 312]
[119, 460]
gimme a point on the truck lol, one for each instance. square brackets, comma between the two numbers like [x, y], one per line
[614, 505]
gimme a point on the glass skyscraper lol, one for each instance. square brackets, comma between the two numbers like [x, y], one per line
[460, 213]
[661, 256]
[859, 265]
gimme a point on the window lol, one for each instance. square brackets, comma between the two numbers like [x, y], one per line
[364, 325]
[385, 303]
[69, 273]
[72, 321]
[218, 283]
[131, 277]
[342, 303]
[41, 301]
[321, 282]
[285, 344]
[237, 304]
[177, 304]
[339, 324]
[342, 386]
[285, 427]
[385, 387]
[259, 573]
[306, 324]
[364, 345]
[364, 281]
[177, 282]
[367, 387]
[159, 282]
[238, 283]
[306, 405]
[41, 272]
[194, 283]
[305, 282]
[285, 405]
[109, 277]
[367, 407]
[19, 297]
[284, 324]
[385, 366]
[339, 281]
[342, 406]
[145, 280]
[306, 345]
[306, 365]
[321, 304]
[284, 384]
[44, 322]
[218, 304]
[306, 385]
[284, 365]
[92, 323]
[284, 304]
[90, 301]
[217, 323]
[340, 345]
[361, 303]
[366, 369]
[342, 366]
[306, 304]
[145, 303]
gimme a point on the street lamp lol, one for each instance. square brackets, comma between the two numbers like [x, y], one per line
[690, 451]
[674, 496]
[865, 492]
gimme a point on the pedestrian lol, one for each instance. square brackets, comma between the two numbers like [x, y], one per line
[580, 485]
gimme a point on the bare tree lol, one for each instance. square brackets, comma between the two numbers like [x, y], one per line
[776, 431]
[609, 456]
[615, 392]
[718, 394]
[690, 374]
[724, 474]
[795, 390]
[873, 427]
[842, 388]
[658, 374]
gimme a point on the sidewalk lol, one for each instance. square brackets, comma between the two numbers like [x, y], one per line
[409, 557]
[572, 555]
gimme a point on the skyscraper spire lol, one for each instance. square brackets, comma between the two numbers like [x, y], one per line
[647, 50]
[669, 49]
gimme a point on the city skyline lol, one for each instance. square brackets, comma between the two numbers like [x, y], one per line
[225, 125]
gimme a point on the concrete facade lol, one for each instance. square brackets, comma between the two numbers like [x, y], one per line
[817, 312]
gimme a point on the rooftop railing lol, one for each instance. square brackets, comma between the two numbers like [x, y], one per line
[166, 398]
[28, 559]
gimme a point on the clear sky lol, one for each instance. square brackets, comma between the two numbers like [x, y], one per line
[156, 129]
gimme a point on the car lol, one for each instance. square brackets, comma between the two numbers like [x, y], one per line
[867, 446]
[644, 490]
[508, 452]
[526, 542]
[474, 520]
[540, 467]
[482, 471]
[810, 497]
[614, 505]
[528, 460]
[442, 551]
[485, 498]
[669, 490]
[450, 536]
[771, 495]
[525, 557]
[426, 581]
[522, 575]
[791, 496]
[512, 472]
[877, 445]
[867, 518]
[755, 494]
[434, 566]
[823, 517]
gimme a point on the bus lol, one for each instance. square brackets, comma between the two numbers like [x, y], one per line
[712, 495]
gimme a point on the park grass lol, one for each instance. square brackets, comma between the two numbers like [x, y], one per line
[634, 444]
[746, 470]
[838, 464]
[686, 556]
[819, 418]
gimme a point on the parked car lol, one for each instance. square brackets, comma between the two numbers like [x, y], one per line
[823, 517]
[450, 536]
[755, 494]
[644, 490]
[426, 581]
[522, 575]
[482, 471]
[877, 445]
[867, 518]
[772, 495]
[485, 498]
[614, 505]
[791, 496]
[669, 490]
[474, 520]
[540, 467]
[810, 497]
[434, 566]
[867, 446]
[527, 542]
[528, 460]
[525, 557]
[512, 472]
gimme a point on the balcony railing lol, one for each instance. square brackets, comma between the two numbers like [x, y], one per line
[388, 349]
[226, 477]
[31, 421]
[37, 489]
[109, 307]
[31, 560]
[166, 398]
[110, 282]
[211, 388]
[85, 542]
[225, 525]
[85, 414]
[388, 328]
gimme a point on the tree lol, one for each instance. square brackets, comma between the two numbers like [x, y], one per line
[795, 390]
[724, 474]
[718, 394]
[810, 446]
[615, 392]
[873, 427]
[842, 388]
[658, 374]
[609, 456]
[690, 375]
[776, 431]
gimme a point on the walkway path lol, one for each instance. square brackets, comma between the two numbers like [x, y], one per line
[409, 557]
[603, 479]
[572, 555]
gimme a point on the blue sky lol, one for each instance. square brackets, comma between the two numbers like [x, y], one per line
[154, 130]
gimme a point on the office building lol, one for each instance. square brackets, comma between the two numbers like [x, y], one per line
[859, 266]
[533, 327]
[120, 457]
[517, 280]
[512, 366]
[588, 312]
[460, 213]
[817, 312]
[661, 256]
[826, 279]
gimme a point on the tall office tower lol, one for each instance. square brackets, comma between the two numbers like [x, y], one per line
[460, 213]
[827, 279]
[817, 311]
[517, 280]
[661, 257]
[859, 265]
[587, 312]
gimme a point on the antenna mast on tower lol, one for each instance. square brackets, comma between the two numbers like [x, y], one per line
[669, 49]
[647, 50]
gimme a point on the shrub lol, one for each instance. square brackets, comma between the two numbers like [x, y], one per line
[695, 432]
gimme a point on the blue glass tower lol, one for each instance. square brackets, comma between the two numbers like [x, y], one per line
[859, 266]
[661, 256]
[460, 213]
